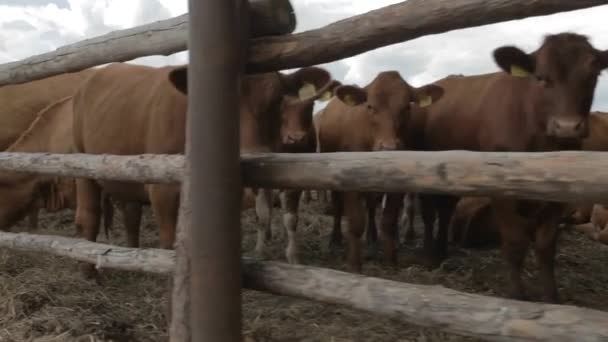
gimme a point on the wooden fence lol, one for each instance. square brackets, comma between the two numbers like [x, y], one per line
[573, 176]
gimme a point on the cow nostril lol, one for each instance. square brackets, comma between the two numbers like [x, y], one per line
[578, 125]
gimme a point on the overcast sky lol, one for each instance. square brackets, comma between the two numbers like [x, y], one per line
[30, 27]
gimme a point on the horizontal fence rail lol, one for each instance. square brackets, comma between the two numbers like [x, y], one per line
[389, 25]
[144, 168]
[558, 176]
[493, 319]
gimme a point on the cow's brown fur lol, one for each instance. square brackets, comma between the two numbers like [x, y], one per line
[473, 224]
[545, 110]
[151, 119]
[596, 141]
[367, 119]
[597, 229]
[50, 131]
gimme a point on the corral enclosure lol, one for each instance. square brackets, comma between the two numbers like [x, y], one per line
[481, 317]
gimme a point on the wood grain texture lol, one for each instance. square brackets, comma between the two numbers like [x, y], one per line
[395, 24]
[148, 260]
[558, 176]
[145, 168]
[489, 318]
[346, 38]
[165, 37]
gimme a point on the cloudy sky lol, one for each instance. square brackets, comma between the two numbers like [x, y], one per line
[30, 27]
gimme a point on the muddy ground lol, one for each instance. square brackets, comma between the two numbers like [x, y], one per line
[44, 298]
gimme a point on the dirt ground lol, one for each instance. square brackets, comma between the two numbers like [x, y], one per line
[44, 298]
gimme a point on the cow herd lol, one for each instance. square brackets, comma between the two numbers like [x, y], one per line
[538, 101]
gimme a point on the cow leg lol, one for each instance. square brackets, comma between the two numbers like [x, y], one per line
[108, 215]
[290, 221]
[389, 228]
[409, 212]
[515, 242]
[263, 209]
[337, 199]
[545, 246]
[164, 200]
[445, 209]
[354, 208]
[322, 196]
[427, 211]
[307, 196]
[372, 229]
[32, 218]
[131, 213]
[88, 214]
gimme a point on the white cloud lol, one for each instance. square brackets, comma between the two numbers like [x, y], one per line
[35, 26]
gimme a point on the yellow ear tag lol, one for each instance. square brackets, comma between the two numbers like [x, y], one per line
[425, 101]
[307, 91]
[349, 100]
[517, 71]
[326, 96]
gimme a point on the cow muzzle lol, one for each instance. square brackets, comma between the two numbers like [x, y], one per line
[388, 145]
[294, 138]
[567, 127]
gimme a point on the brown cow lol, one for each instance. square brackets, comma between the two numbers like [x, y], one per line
[367, 119]
[597, 229]
[540, 103]
[596, 141]
[152, 119]
[301, 114]
[473, 224]
[50, 131]
[22, 102]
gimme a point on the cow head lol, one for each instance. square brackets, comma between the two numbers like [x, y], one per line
[564, 72]
[385, 103]
[302, 88]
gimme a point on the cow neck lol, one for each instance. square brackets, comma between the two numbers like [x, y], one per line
[33, 139]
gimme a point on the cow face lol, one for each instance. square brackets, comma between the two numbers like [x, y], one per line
[385, 103]
[275, 108]
[564, 72]
[302, 88]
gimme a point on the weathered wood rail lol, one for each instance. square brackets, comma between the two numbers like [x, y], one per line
[389, 25]
[560, 176]
[490, 318]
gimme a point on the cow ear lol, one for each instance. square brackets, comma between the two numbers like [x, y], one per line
[179, 79]
[514, 61]
[330, 92]
[308, 82]
[427, 95]
[351, 95]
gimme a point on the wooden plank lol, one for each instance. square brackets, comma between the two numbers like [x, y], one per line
[395, 24]
[489, 318]
[346, 38]
[560, 176]
[216, 63]
[165, 37]
[145, 168]
[150, 260]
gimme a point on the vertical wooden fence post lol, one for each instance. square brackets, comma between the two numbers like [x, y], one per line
[216, 61]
